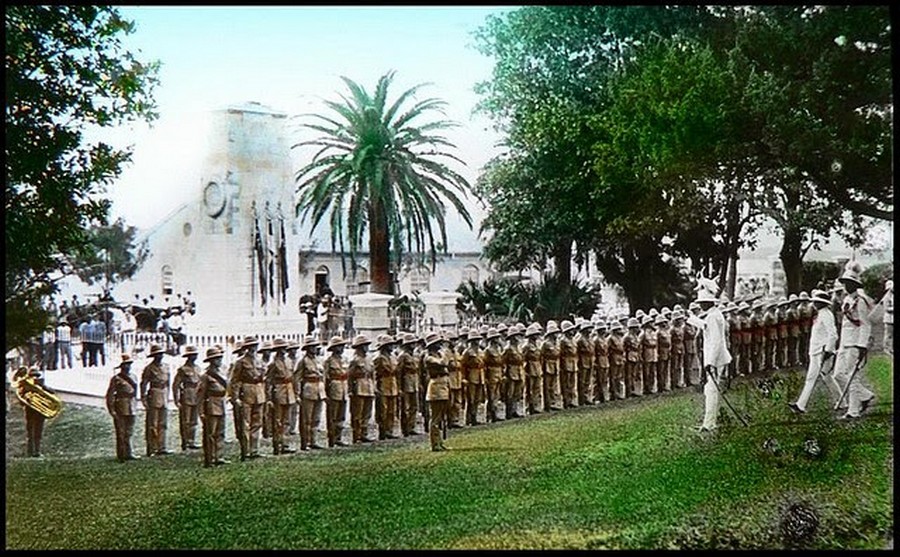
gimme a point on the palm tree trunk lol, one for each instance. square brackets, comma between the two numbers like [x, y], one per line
[379, 249]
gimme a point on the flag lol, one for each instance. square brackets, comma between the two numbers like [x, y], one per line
[258, 248]
[270, 258]
[282, 260]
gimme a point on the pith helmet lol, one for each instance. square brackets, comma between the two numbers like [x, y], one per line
[492, 333]
[851, 273]
[450, 334]
[804, 296]
[647, 320]
[515, 330]
[660, 319]
[360, 340]
[633, 323]
[502, 328]
[552, 328]
[432, 338]
[566, 326]
[533, 330]
[473, 335]
[383, 340]
[336, 341]
[653, 312]
[586, 324]
[616, 326]
[889, 285]
[677, 314]
[190, 351]
[819, 296]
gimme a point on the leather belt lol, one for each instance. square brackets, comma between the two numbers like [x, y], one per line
[283, 381]
[311, 378]
[339, 377]
[158, 385]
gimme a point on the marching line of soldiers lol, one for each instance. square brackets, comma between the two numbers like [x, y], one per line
[449, 378]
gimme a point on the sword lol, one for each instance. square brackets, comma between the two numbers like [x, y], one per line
[860, 362]
[712, 375]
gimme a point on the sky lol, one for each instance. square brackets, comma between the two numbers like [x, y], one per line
[291, 59]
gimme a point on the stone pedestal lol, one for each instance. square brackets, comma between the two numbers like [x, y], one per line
[370, 314]
[440, 309]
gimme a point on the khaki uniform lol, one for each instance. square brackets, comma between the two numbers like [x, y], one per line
[388, 394]
[676, 334]
[249, 394]
[473, 372]
[584, 344]
[362, 396]
[568, 360]
[336, 389]
[735, 342]
[691, 357]
[806, 315]
[184, 393]
[280, 385]
[632, 362]
[154, 393]
[408, 372]
[617, 364]
[759, 341]
[211, 393]
[664, 349]
[746, 354]
[457, 397]
[770, 322]
[534, 374]
[650, 358]
[437, 396]
[793, 323]
[601, 364]
[515, 375]
[121, 405]
[550, 358]
[783, 336]
[493, 378]
[309, 380]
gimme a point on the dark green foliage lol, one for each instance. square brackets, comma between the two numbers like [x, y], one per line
[820, 274]
[508, 299]
[111, 254]
[874, 277]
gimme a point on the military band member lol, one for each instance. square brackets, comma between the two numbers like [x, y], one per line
[362, 389]
[120, 403]
[154, 394]
[211, 394]
[534, 372]
[617, 359]
[249, 394]
[281, 396]
[455, 376]
[664, 349]
[584, 344]
[551, 362]
[184, 393]
[602, 390]
[676, 334]
[408, 373]
[387, 386]
[632, 357]
[806, 314]
[649, 346]
[438, 391]
[34, 420]
[473, 373]
[514, 363]
[336, 389]
[493, 374]
[823, 346]
[309, 381]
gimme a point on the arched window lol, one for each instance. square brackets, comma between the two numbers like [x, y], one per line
[419, 280]
[470, 273]
[322, 282]
[167, 281]
[358, 281]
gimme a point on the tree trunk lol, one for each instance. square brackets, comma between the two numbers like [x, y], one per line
[638, 279]
[379, 250]
[732, 276]
[562, 263]
[792, 259]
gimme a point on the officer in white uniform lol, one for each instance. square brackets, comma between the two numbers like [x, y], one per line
[856, 330]
[715, 354]
[822, 344]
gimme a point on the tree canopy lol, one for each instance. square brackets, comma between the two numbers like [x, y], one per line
[67, 71]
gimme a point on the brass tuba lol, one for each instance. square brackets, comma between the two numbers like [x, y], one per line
[34, 396]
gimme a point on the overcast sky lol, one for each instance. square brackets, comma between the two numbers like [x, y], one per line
[289, 58]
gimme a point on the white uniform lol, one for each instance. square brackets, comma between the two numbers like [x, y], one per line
[823, 338]
[856, 328]
[889, 321]
[715, 354]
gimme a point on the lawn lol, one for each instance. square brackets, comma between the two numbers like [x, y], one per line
[632, 474]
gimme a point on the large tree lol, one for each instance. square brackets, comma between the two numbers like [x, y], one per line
[113, 255]
[379, 168]
[67, 71]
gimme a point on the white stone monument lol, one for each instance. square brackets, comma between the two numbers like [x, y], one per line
[440, 309]
[370, 314]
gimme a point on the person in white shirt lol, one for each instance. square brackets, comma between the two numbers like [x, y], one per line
[823, 339]
[856, 330]
[715, 354]
[64, 344]
[888, 302]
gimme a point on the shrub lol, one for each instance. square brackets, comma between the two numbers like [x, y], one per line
[874, 277]
[819, 274]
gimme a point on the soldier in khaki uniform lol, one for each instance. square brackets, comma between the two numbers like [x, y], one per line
[664, 349]
[362, 390]
[455, 376]
[386, 385]
[493, 374]
[249, 395]
[232, 395]
[746, 353]
[602, 391]
[770, 322]
[691, 357]
[514, 362]
[617, 366]
[676, 335]
[408, 374]
[793, 323]
[534, 371]
[550, 357]
[633, 364]
[211, 394]
[184, 393]
[568, 362]
[281, 396]
[438, 391]
[757, 323]
[805, 315]
[473, 374]
[336, 388]
[649, 343]
[584, 343]
[735, 340]
[294, 413]
[263, 360]
[120, 403]
[309, 381]
[154, 393]
[783, 332]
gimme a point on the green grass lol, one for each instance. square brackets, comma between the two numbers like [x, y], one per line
[628, 475]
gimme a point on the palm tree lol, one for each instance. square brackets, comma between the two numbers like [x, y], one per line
[379, 169]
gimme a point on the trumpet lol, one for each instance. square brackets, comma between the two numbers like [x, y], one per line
[37, 398]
